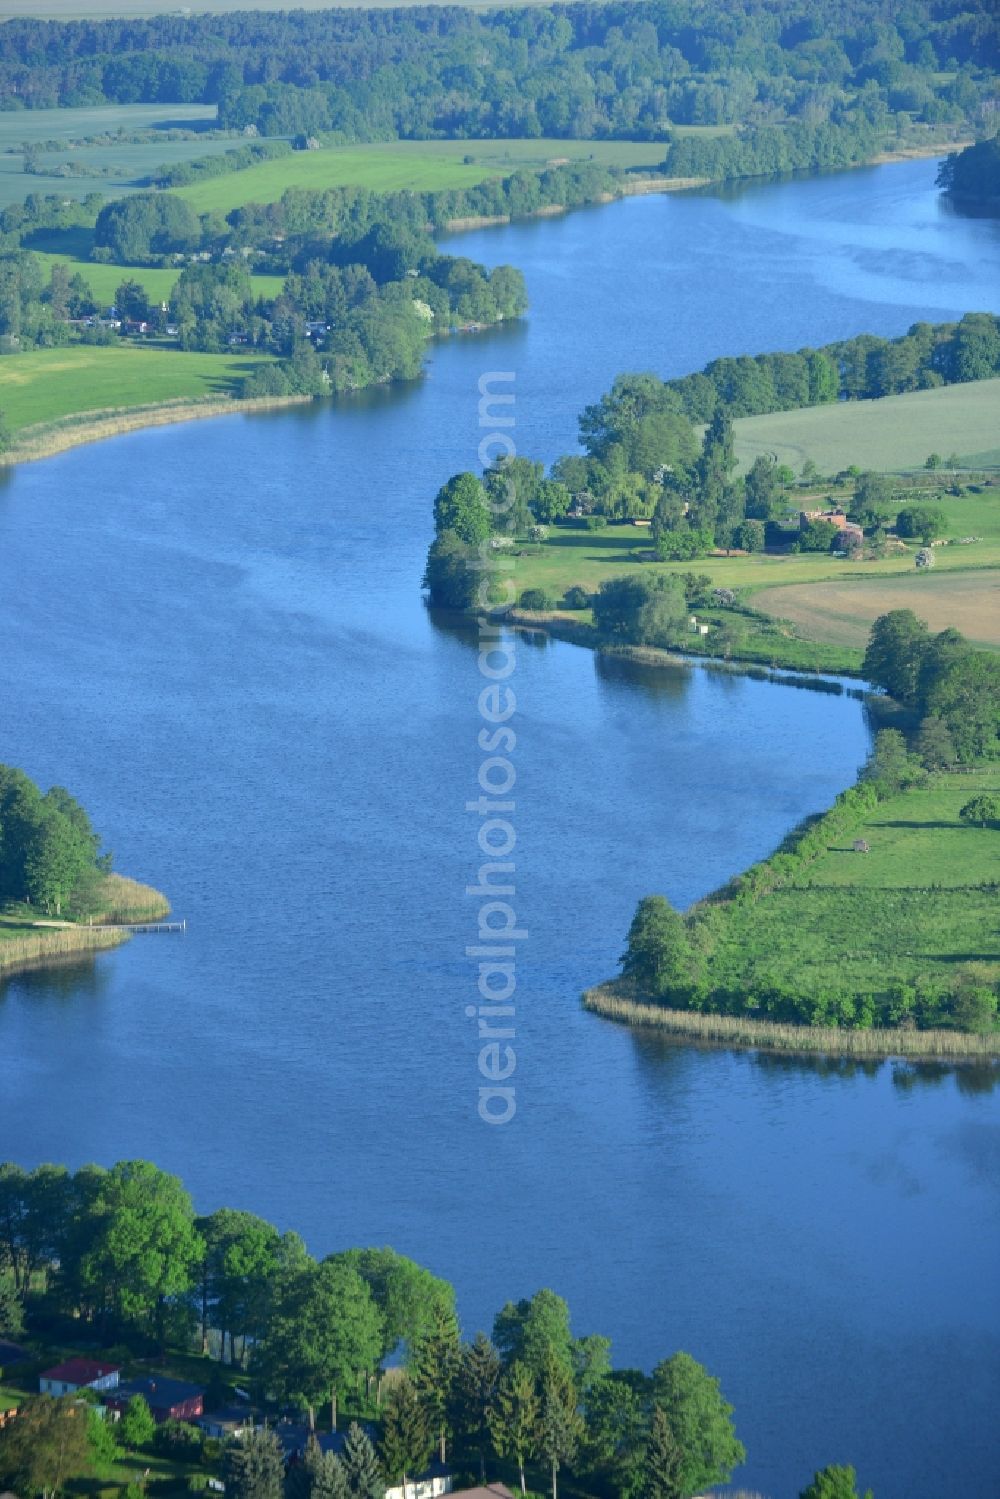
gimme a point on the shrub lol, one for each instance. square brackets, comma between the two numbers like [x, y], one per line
[537, 598]
[576, 597]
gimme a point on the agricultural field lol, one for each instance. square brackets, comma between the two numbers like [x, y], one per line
[891, 435]
[420, 166]
[841, 613]
[117, 168]
[47, 384]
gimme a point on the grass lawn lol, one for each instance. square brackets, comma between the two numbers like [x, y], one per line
[422, 166]
[46, 384]
[892, 434]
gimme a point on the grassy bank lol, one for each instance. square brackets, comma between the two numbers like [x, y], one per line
[882, 913]
[615, 1003]
[48, 385]
[49, 438]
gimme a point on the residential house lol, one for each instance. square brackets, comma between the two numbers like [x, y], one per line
[79, 1374]
[849, 534]
[168, 1399]
[430, 1485]
[231, 1421]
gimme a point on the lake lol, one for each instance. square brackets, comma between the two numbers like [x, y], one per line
[214, 635]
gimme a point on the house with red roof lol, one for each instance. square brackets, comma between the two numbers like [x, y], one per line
[79, 1374]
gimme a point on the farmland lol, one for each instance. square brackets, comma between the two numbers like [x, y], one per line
[117, 167]
[842, 612]
[891, 435]
[419, 166]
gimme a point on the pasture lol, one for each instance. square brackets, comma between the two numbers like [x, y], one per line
[48, 384]
[416, 166]
[892, 435]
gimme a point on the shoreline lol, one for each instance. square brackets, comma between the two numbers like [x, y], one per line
[52, 943]
[48, 439]
[559, 626]
[744, 1033]
[56, 948]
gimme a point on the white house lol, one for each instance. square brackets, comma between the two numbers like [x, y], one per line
[430, 1485]
[79, 1374]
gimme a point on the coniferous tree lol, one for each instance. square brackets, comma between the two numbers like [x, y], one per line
[664, 1463]
[253, 1466]
[476, 1388]
[407, 1439]
[361, 1466]
[513, 1417]
[434, 1365]
[11, 1310]
[560, 1425]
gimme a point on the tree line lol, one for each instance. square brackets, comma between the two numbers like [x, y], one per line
[123, 1251]
[49, 853]
[626, 69]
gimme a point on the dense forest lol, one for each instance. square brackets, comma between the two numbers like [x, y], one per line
[624, 69]
[49, 853]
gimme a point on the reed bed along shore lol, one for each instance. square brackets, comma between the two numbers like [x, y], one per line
[122, 899]
[45, 439]
[771, 1035]
[52, 945]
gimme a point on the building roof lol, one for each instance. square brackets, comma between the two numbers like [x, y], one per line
[80, 1371]
[158, 1391]
[487, 1491]
[230, 1415]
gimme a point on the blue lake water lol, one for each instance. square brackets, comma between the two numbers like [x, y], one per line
[214, 635]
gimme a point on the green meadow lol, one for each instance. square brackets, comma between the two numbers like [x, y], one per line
[917, 907]
[417, 166]
[104, 280]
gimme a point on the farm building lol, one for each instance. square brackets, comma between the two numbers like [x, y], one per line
[79, 1374]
